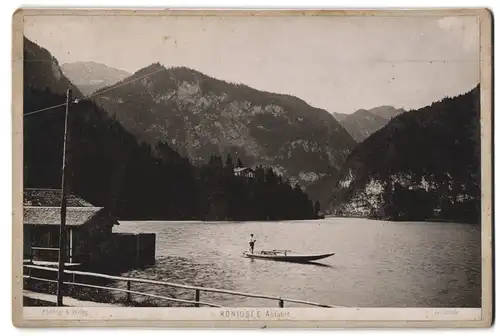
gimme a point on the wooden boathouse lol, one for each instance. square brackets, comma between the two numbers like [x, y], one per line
[90, 237]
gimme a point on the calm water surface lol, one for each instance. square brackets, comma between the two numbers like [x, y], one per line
[376, 263]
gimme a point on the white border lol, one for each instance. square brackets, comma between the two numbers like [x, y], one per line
[8, 8]
[252, 314]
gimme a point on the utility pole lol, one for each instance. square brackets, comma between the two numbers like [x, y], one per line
[62, 230]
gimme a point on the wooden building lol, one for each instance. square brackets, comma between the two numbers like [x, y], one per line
[244, 172]
[89, 228]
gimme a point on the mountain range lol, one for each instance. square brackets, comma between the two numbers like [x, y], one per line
[152, 144]
[198, 116]
[110, 167]
[106, 165]
[362, 123]
[91, 76]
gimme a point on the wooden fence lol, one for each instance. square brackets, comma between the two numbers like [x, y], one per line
[196, 302]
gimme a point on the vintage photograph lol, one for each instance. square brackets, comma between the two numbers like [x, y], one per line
[254, 161]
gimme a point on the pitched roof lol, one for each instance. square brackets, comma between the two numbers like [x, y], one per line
[51, 198]
[75, 216]
[240, 169]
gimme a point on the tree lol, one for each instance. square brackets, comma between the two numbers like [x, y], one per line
[317, 208]
[239, 164]
[229, 163]
[270, 177]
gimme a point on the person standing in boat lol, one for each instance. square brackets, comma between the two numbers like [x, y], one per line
[251, 242]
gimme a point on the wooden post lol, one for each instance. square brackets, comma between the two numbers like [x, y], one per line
[197, 297]
[73, 280]
[129, 295]
[70, 252]
[62, 229]
[281, 303]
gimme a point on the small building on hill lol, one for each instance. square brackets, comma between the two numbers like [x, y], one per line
[244, 172]
[89, 228]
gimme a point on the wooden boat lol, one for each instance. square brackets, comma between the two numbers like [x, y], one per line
[286, 255]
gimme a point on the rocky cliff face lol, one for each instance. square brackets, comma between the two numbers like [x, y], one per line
[200, 116]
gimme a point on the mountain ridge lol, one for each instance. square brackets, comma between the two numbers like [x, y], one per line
[362, 123]
[200, 115]
[91, 76]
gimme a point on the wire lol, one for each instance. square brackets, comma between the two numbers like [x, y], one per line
[76, 101]
[122, 84]
[45, 109]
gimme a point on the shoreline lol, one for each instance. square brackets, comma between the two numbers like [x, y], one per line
[427, 220]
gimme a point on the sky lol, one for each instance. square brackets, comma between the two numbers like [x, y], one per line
[340, 64]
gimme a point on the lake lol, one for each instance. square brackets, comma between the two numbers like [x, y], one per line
[376, 263]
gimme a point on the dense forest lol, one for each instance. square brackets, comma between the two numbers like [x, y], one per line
[109, 167]
[424, 164]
